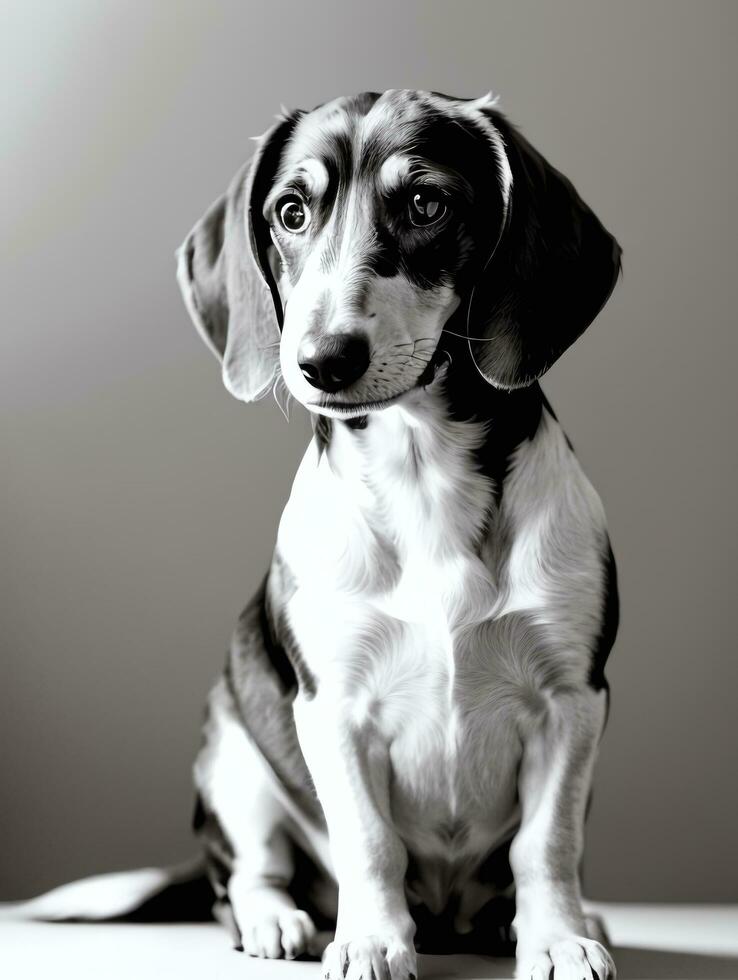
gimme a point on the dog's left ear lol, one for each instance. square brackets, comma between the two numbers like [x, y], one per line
[552, 272]
[226, 281]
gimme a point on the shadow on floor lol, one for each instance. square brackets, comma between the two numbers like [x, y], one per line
[632, 964]
[660, 964]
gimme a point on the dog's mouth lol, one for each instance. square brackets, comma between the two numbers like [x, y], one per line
[356, 409]
[349, 409]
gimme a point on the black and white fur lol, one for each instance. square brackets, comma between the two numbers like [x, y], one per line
[403, 740]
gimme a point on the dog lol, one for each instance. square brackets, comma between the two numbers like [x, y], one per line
[401, 746]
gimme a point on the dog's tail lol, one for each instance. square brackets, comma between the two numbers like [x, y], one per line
[179, 893]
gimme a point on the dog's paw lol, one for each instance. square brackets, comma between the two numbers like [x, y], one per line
[276, 935]
[267, 923]
[370, 958]
[575, 958]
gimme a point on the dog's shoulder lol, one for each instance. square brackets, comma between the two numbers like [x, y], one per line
[551, 550]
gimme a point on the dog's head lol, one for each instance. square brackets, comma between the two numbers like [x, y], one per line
[363, 229]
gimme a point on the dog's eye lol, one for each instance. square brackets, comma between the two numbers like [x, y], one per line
[294, 214]
[427, 206]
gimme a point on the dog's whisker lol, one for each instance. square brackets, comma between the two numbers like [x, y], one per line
[463, 336]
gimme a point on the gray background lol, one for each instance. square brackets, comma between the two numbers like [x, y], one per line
[140, 502]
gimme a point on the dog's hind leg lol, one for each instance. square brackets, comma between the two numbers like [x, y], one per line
[244, 828]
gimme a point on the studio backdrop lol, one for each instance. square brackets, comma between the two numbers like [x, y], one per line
[139, 501]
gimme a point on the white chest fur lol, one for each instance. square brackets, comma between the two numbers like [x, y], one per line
[388, 523]
[383, 534]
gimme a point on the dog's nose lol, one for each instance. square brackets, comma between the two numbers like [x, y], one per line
[333, 362]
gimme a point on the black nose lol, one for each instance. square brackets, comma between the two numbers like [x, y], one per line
[334, 362]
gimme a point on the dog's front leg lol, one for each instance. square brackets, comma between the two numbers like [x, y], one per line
[554, 783]
[350, 765]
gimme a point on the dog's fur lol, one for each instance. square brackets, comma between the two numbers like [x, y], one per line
[404, 736]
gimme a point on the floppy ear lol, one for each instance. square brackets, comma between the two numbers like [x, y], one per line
[552, 271]
[225, 278]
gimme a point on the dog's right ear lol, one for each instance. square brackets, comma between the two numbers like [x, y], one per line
[227, 285]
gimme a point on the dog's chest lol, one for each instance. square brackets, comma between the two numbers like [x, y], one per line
[383, 536]
[384, 526]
